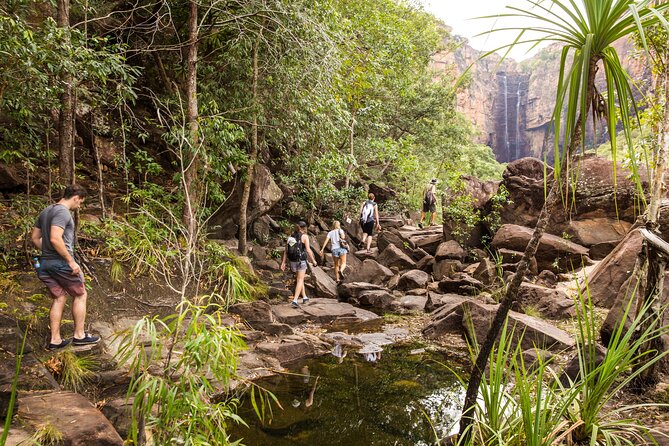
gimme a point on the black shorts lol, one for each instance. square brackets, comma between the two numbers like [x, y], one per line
[368, 228]
[429, 207]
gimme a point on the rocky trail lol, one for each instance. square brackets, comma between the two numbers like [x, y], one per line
[414, 284]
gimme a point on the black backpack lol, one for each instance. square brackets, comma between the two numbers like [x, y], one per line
[296, 250]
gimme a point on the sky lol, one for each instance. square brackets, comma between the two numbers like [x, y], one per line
[458, 15]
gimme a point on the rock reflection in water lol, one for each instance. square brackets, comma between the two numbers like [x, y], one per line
[339, 352]
[371, 352]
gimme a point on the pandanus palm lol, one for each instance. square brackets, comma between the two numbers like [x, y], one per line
[587, 29]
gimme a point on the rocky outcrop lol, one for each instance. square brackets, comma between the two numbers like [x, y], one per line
[554, 253]
[510, 103]
[10, 180]
[523, 179]
[550, 303]
[265, 193]
[459, 313]
[607, 278]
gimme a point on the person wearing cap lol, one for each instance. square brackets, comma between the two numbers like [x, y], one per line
[429, 202]
[297, 251]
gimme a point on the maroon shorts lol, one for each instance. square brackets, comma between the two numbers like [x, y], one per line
[57, 276]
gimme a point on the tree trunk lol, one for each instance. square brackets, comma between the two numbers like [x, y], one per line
[553, 199]
[349, 170]
[246, 191]
[66, 118]
[189, 157]
[652, 298]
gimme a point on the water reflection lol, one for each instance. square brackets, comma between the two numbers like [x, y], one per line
[346, 401]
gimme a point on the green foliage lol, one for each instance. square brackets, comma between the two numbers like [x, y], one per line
[72, 370]
[313, 177]
[587, 32]
[459, 209]
[498, 201]
[229, 277]
[36, 54]
[47, 434]
[185, 403]
[527, 404]
[16, 223]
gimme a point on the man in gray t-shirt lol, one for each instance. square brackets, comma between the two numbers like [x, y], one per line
[54, 235]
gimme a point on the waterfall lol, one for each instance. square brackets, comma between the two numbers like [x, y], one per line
[517, 154]
[506, 115]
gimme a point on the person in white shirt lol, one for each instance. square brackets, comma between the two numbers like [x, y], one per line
[339, 247]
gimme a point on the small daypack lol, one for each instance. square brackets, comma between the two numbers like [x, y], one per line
[367, 213]
[295, 247]
[429, 197]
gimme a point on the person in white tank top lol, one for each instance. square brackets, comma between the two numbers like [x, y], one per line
[339, 248]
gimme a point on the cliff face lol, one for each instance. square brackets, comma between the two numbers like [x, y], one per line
[511, 103]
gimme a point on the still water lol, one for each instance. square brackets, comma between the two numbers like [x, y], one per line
[400, 399]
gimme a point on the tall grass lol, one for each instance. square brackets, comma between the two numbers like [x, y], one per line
[523, 405]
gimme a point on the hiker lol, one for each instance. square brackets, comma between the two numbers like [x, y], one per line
[339, 248]
[54, 235]
[429, 203]
[296, 252]
[369, 218]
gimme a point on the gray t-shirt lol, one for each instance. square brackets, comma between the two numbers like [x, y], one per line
[55, 215]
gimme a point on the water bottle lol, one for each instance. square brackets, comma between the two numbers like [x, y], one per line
[36, 260]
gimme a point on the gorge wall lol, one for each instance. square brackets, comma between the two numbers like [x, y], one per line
[510, 103]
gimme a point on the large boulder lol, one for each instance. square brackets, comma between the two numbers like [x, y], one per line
[393, 237]
[450, 250]
[394, 256]
[429, 240]
[10, 180]
[475, 318]
[324, 285]
[446, 268]
[524, 182]
[370, 271]
[413, 279]
[77, 419]
[380, 299]
[554, 253]
[292, 348]
[265, 193]
[460, 283]
[382, 193]
[597, 196]
[529, 331]
[550, 303]
[594, 231]
[352, 290]
[608, 277]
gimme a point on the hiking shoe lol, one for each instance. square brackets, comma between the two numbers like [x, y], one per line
[294, 304]
[305, 300]
[342, 275]
[420, 225]
[86, 340]
[64, 343]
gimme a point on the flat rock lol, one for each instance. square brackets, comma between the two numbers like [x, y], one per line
[80, 423]
[322, 311]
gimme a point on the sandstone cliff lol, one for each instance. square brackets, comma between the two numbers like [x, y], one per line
[511, 103]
